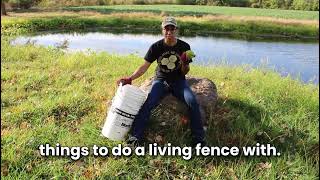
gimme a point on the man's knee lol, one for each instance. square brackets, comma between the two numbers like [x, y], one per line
[155, 95]
[157, 84]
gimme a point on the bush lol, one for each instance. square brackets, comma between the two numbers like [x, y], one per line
[288, 4]
[269, 4]
[210, 2]
[237, 3]
[201, 2]
[215, 2]
[185, 2]
[308, 5]
[22, 4]
[315, 6]
[255, 5]
[311, 5]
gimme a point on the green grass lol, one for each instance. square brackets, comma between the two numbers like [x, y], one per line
[48, 96]
[188, 26]
[204, 10]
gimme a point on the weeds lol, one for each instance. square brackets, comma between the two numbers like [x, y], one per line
[189, 25]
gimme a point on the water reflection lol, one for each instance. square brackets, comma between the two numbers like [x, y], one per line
[300, 60]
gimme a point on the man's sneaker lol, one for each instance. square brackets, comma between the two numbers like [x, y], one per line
[133, 142]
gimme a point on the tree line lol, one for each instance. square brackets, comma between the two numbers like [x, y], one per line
[307, 5]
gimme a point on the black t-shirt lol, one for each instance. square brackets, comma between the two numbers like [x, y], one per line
[168, 59]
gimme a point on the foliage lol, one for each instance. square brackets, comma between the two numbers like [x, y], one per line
[307, 5]
[236, 3]
[23, 4]
[185, 2]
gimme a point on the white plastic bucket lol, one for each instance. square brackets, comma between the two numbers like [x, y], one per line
[125, 106]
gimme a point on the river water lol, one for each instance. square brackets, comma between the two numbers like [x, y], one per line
[297, 59]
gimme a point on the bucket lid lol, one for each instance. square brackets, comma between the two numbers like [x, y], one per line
[130, 99]
[132, 90]
[120, 101]
[132, 96]
[127, 105]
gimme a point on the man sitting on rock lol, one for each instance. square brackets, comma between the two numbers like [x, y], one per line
[173, 65]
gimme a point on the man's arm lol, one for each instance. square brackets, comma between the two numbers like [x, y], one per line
[141, 70]
[185, 68]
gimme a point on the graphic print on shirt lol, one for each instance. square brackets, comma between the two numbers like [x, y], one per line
[169, 61]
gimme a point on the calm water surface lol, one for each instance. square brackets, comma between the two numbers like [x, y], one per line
[300, 60]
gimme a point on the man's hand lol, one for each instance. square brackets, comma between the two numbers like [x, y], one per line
[124, 81]
[186, 59]
[190, 54]
[187, 56]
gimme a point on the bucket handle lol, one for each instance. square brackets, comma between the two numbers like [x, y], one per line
[120, 89]
[120, 86]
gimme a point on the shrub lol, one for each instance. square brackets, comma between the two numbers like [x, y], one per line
[214, 2]
[305, 5]
[185, 2]
[315, 6]
[22, 4]
[255, 5]
[237, 3]
[201, 2]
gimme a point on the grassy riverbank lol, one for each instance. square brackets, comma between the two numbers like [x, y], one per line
[240, 27]
[49, 96]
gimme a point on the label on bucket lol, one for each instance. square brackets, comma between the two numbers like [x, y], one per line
[125, 125]
[122, 122]
[122, 113]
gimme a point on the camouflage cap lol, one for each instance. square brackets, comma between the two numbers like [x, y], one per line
[169, 21]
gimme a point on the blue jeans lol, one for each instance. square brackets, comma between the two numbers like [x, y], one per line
[181, 90]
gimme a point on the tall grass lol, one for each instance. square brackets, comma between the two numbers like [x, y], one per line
[64, 3]
[49, 96]
[187, 25]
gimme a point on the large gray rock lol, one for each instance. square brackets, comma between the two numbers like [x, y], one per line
[204, 90]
